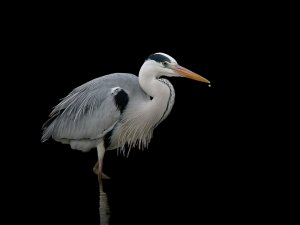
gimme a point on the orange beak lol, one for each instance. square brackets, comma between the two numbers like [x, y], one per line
[189, 74]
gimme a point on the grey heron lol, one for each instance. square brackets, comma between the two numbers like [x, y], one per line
[117, 111]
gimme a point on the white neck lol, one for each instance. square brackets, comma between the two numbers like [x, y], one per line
[137, 127]
[148, 79]
[149, 83]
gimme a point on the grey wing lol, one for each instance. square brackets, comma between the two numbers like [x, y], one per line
[90, 110]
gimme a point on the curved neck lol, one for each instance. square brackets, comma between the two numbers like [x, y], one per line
[148, 79]
[137, 127]
[160, 90]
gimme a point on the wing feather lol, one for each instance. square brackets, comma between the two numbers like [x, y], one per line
[89, 111]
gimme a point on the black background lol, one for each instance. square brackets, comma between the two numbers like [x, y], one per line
[204, 162]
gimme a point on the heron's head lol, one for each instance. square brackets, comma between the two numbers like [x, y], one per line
[162, 64]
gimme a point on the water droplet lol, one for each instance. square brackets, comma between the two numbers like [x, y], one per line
[209, 85]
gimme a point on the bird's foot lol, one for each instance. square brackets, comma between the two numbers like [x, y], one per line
[105, 177]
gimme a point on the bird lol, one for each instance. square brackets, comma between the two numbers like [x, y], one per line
[117, 111]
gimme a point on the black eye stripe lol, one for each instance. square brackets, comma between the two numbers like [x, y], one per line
[159, 58]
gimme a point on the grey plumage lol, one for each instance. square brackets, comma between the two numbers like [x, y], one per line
[115, 111]
[89, 112]
[125, 106]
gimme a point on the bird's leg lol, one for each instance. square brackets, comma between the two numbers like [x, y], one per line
[96, 171]
[96, 168]
[103, 203]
